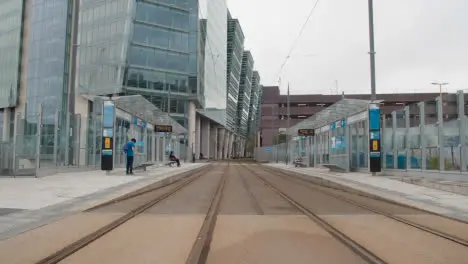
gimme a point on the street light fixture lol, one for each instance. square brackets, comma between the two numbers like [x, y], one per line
[440, 84]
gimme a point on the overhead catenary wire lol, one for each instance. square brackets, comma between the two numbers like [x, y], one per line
[296, 40]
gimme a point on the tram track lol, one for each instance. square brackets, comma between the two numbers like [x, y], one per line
[364, 253]
[177, 185]
[201, 247]
[201, 250]
[232, 212]
[332, 191]
[148, 189]
[254, 201]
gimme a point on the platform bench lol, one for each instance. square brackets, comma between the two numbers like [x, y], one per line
[299, 164]
[170, 163]
[143, 166]
[334, 168]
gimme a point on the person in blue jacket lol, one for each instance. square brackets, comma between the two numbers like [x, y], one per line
[130, 154]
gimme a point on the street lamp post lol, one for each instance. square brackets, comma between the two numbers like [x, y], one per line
[372, 52]
[441, 84]
[372, 49]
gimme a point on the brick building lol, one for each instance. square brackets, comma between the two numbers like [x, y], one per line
[274, 108]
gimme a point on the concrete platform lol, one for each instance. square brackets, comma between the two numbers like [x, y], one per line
[26, 203]
[437, 201]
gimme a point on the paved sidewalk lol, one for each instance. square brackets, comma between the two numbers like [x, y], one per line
[437, 201]
[26, 203]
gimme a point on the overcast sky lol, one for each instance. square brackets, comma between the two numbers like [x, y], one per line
[417, 42]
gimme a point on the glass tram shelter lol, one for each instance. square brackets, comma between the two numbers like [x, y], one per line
[337, 136]
[126, 117]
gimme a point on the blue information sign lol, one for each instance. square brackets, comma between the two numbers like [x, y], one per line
[374, 119]
[139, 122]
[267, 149]
[375, 135]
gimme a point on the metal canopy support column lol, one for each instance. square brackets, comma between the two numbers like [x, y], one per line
[231, 139]
[221, 142]
[315, 147]
[214, 143]
[407, 138]
[191, 129]
[153, 147]
[205, 147]
[38, 139]
[394, 140]
[357, 130]
[440, 130]
[56, 136]
[243, 147]
[348, 146]
[227, 136]
[308, 152]
[158, 148]
[197, 136]
[231, 145]
[145, 145]
[17, 134]
[66, 147]
[78, 140]
[462, 129]
[422, 126]
[163, 148]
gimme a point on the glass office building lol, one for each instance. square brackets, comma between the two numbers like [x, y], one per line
[214, 34]
[104, 32]
[49, 24]
[160, 61]
[160, 49]
[258, 115]
[235, 51]
[253, 103]
[244, 93]
[11, 24]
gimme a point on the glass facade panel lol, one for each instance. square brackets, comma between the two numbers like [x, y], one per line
[253, 103]
[103, 34]
[162, 15]
[47, 79]
[159, 54]
[244, 92]
[11, 13]
[451, 145]
[213, 27]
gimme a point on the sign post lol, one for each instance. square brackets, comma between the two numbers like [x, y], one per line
[107, 150]
[375, 164]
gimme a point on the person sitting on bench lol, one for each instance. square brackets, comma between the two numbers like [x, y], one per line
[172, 157]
